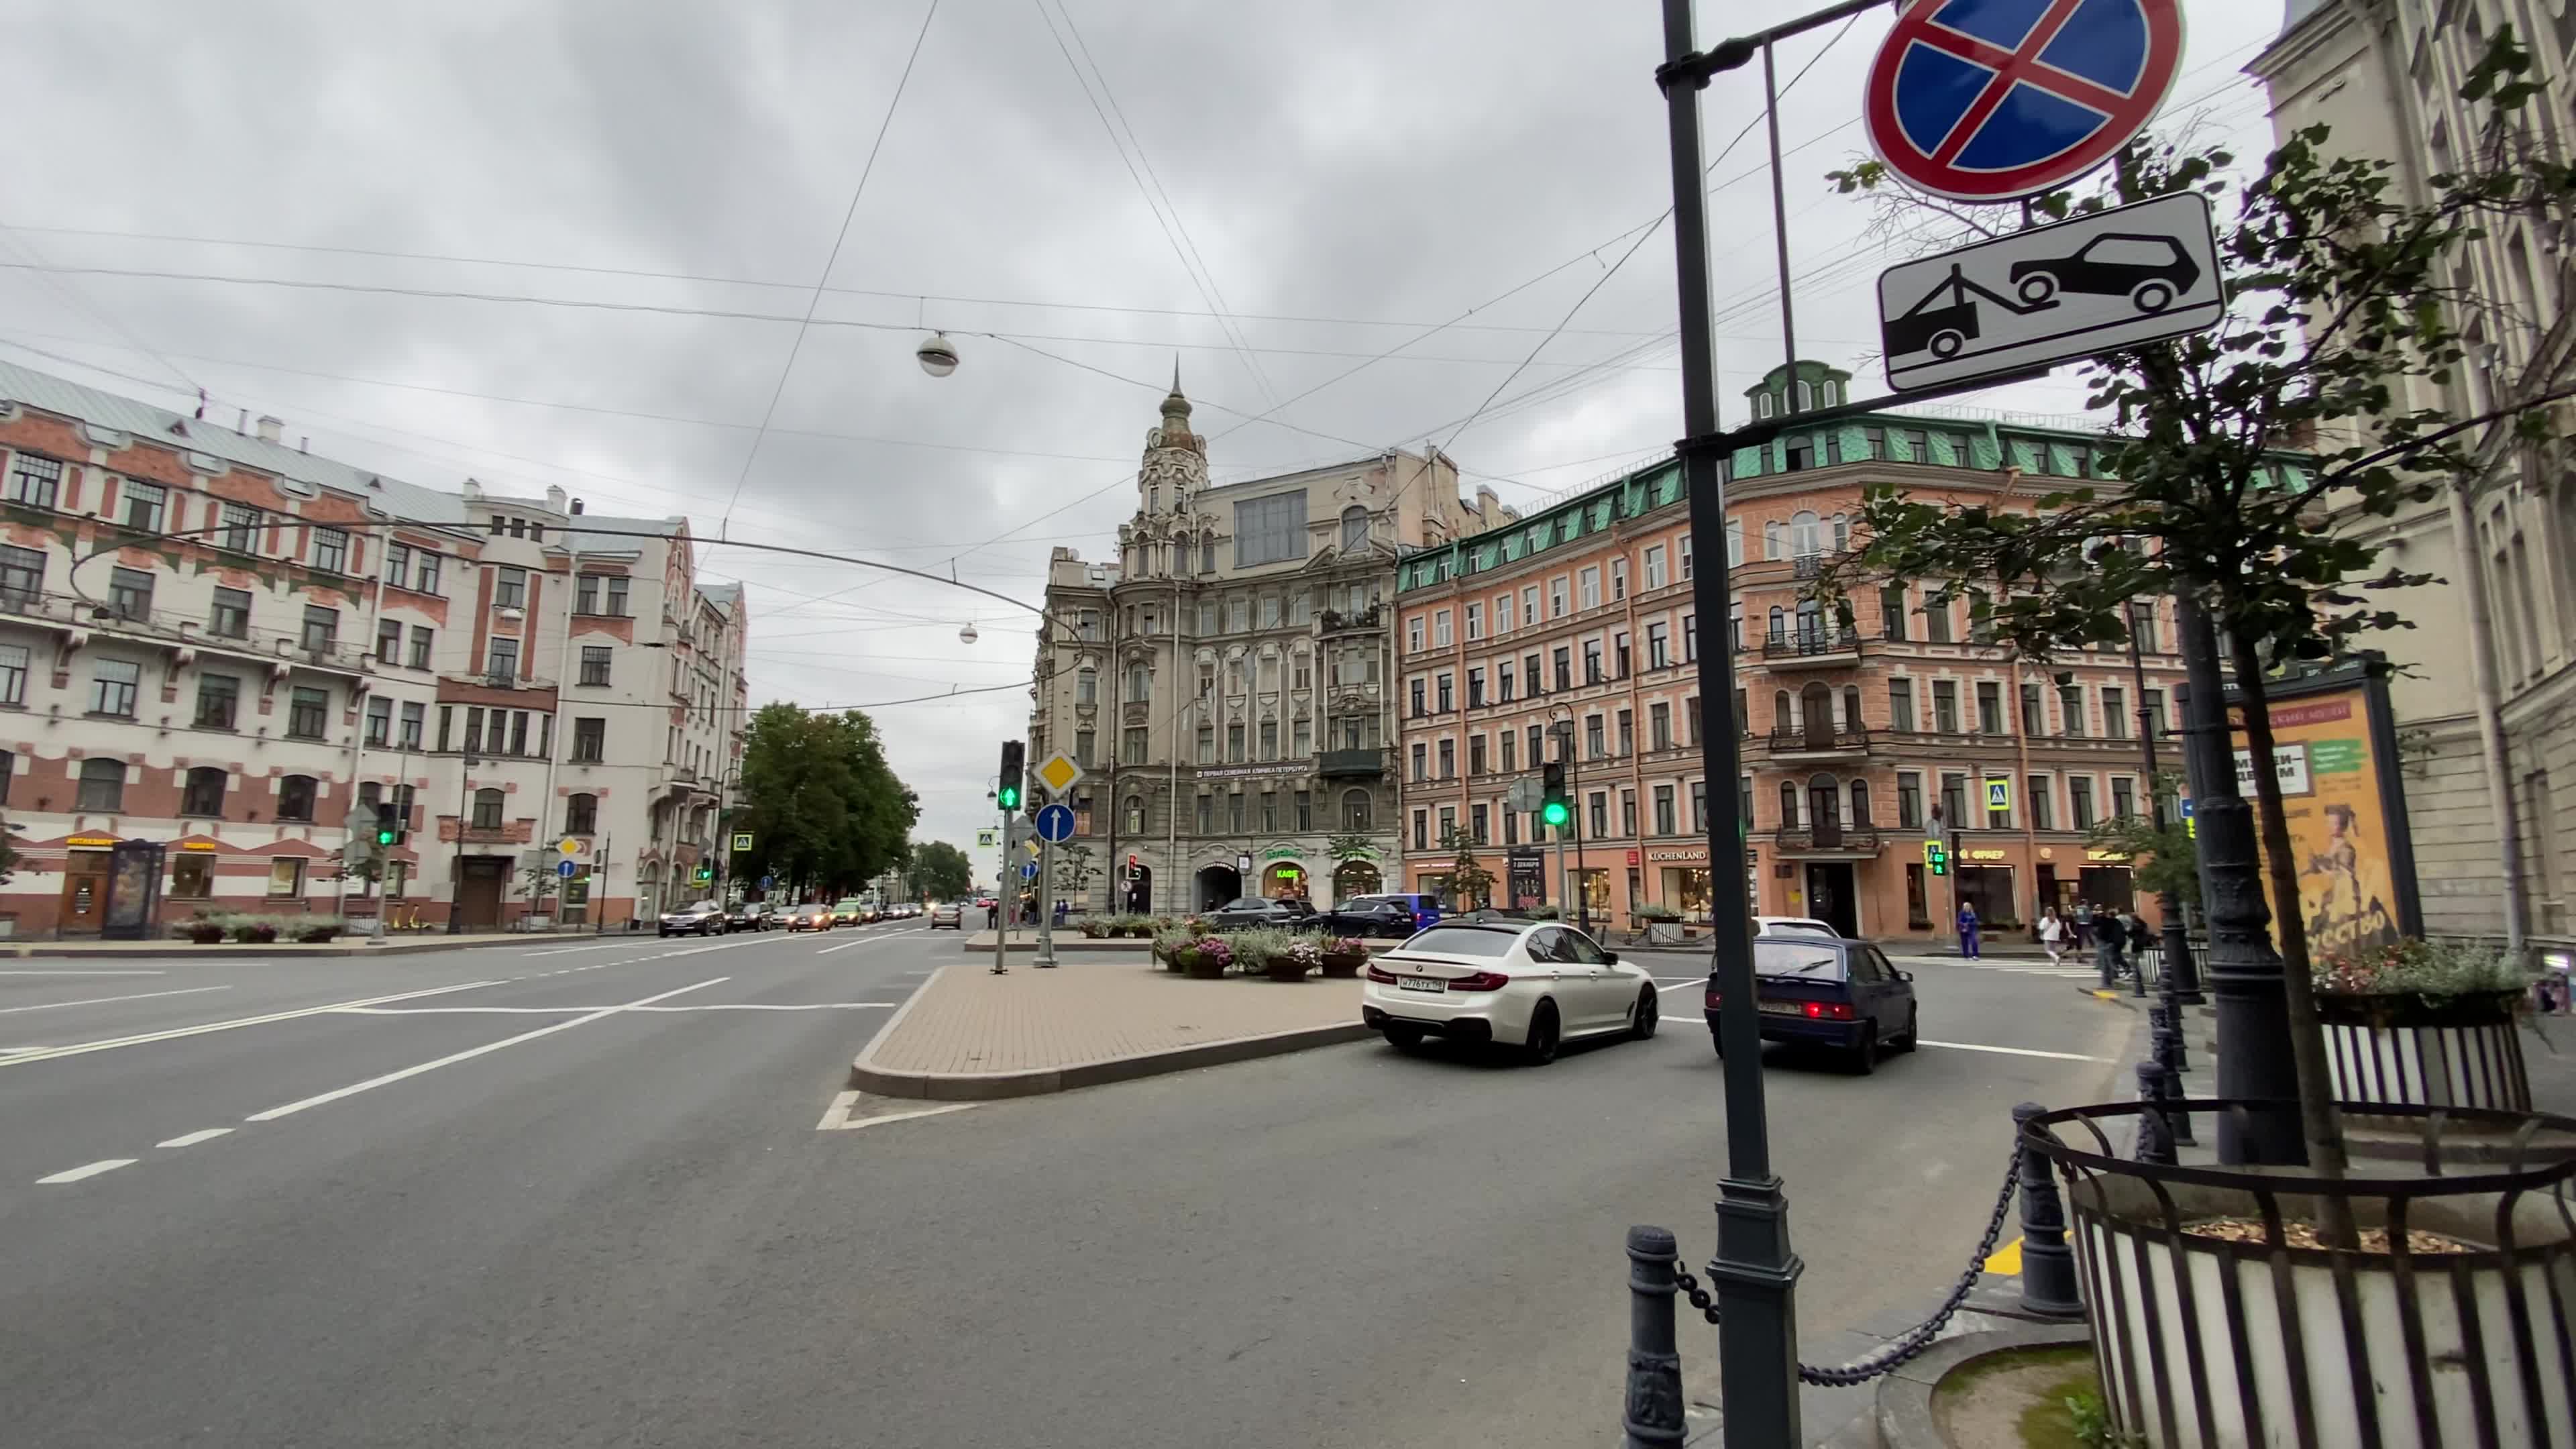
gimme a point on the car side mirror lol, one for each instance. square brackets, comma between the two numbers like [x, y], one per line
[1609, 958]
[1904, 975]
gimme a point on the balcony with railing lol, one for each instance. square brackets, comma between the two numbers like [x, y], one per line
[1347, 764]
[1818, 647]
[1353, 621]
[1828, 839]
[1821, 743]
[499, 688]
[133, 617]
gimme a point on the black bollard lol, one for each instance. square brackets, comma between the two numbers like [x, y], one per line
[2155, 1131]
[2165, 1022]
[1653, 1415]
[2048, 1283]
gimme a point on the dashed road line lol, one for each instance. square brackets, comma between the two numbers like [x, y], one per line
[193, 1138]
[86, 971]
[103, 1000]
[354, 1088]
[92, 1170]
[2005, 1051]
[45, 1054]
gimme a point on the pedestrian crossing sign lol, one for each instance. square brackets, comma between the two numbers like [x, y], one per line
[988, 839]
[1998, 796]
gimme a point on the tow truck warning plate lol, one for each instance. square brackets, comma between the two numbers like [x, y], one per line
[2051, 294]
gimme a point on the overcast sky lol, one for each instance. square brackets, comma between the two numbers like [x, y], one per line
[1344, 176]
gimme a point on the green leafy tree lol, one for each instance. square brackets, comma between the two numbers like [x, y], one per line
[825, 811]
[1470, 885]
[537, 880]
[939, 871]
[1074, 872]
[2342, 289]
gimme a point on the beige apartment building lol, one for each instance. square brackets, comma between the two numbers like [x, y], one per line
[213, 645]
[2486, 697]
[1225, 682]
[1859, 734]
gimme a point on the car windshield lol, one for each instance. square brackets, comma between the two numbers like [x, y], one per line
[1460, 941]
[1789, 956]
[1247, 903]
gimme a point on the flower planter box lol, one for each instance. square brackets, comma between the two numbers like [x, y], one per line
[2452, 1051]
[1344, 967]
[2211, 1341]
[1206, 968]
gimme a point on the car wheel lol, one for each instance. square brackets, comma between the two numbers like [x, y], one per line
[1864, 1058]
[2152, 296]
[1404, 1038]
[1649, 1009]
[1539, 1047]
[2038, 287]
[1913, 1032]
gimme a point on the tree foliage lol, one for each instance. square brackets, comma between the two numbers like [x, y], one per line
[1074, 871]
[1470, 884]
[939, 871]
[825, 811]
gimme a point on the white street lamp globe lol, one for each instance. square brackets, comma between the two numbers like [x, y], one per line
[967, 634]
[938, 355]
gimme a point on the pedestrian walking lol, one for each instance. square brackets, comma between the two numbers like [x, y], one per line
[2107, 939]
[993, 916]
[1968, 930]
[2052, 935]
[2139, 940]
[2083, 924]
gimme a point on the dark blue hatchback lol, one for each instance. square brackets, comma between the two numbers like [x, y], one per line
[1840, 994]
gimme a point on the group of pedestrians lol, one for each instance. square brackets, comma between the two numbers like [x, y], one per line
[2109, 932]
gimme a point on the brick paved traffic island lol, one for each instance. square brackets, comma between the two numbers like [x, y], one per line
[969, 1035]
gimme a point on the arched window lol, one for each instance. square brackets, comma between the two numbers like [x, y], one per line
[1781, 719]
[102, 784]
[295, 796]
[581, 815]
[1806, 538]
[487, 809]
[1762, 404]
[1135, 814]
[1779, 623]
[1771, 537]
[1086, 685]
[1806, 397]
[1851, 707]
[1824, 801]
[1207, 554]
[1355, 528]
[1355, 810]
[1842, 534]
[1860, 802]
[1811, 620]
[1788, 804]
[1153, 498]
[204, 794]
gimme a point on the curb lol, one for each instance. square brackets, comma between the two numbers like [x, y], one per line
[1905, 1396]
[865, 1076]
[148, 951]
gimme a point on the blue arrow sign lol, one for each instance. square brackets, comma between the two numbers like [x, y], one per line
[1055, 824]
[563, 870]
[1029, 871]
[767, 881]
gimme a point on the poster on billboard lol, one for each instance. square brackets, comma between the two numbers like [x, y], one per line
[2334, 752]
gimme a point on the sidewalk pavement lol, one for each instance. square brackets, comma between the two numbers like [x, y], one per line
[402, 944]
[969, 1035]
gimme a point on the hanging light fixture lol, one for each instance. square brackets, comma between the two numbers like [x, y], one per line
[967, 634]
[938, 355]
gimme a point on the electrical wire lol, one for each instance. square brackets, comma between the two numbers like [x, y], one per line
[893, 103]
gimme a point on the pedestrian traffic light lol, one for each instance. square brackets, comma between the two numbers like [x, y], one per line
[1936, 857]
[386, 833]
[1008, 792]
[1552, 807]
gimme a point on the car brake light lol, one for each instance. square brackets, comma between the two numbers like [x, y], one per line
[1714, 1000]
[1829, 1011]
[1380, 975]
[1480, 981]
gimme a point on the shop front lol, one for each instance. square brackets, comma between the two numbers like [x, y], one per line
[1983, 877]
[1681, 879]
[1284, 879]
[1356, 877]
[87, 863]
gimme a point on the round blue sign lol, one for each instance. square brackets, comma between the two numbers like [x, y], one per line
[1029, 871]
[1991, 100]
[1055, 824]
[564, 870]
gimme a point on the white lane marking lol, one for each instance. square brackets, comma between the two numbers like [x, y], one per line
[1678, 985]
[692, 951]
[568, 950]
[574, 1010]
[193, 1138]
[836, 1118]
[469, 1054]
[43, 1054]
[85, 971]
[93, 1170]
[103, 1000]
[1970, 1046]
[845, 945]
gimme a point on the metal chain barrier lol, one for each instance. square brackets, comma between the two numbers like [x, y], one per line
[1913, 1340]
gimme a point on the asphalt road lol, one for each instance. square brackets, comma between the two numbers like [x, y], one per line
[575, 1194]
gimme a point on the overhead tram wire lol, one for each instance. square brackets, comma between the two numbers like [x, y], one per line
[787, 370]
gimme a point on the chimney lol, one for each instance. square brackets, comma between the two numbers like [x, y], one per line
[576, 508]
[472, 490]
[554, 499]
[270, 429]
[304, 444]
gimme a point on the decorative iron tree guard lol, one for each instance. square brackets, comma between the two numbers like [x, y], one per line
[2220, 1323]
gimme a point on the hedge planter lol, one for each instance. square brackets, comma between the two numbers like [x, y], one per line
[2220, 1323]
[2442, 1051]
[1342, 967]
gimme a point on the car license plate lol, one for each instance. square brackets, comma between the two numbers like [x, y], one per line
[1421, 983]
[1782, 1008]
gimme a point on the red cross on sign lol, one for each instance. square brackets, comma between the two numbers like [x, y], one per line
[1991, 100]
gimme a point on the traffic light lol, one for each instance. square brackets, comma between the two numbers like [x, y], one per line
[1552, 807]
[1008, 792]
[1936, 857]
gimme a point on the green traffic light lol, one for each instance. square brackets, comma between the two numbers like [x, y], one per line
[1555, 813]
[385, 835]
[1010, 797]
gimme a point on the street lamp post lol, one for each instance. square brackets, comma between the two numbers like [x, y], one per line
[456, 872]
[2181, 982]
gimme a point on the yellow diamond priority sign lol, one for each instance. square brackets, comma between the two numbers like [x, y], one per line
[1059, 774]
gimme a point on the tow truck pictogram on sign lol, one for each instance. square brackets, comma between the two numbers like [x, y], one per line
[2098, 283]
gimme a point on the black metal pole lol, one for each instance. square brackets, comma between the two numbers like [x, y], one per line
[2181, 980]
[2254, 1062]
[1653, 1416]
[1755, 1274]
[1574, 817]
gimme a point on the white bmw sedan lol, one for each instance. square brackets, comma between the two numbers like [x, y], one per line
[1528, 984]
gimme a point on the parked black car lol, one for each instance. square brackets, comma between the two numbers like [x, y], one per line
[1245, 912]
[752, 916]
[1368, 917]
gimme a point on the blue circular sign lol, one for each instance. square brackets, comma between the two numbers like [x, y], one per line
[1992, 100]
[1055, 824]
[1029, 871]
[564, 870]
